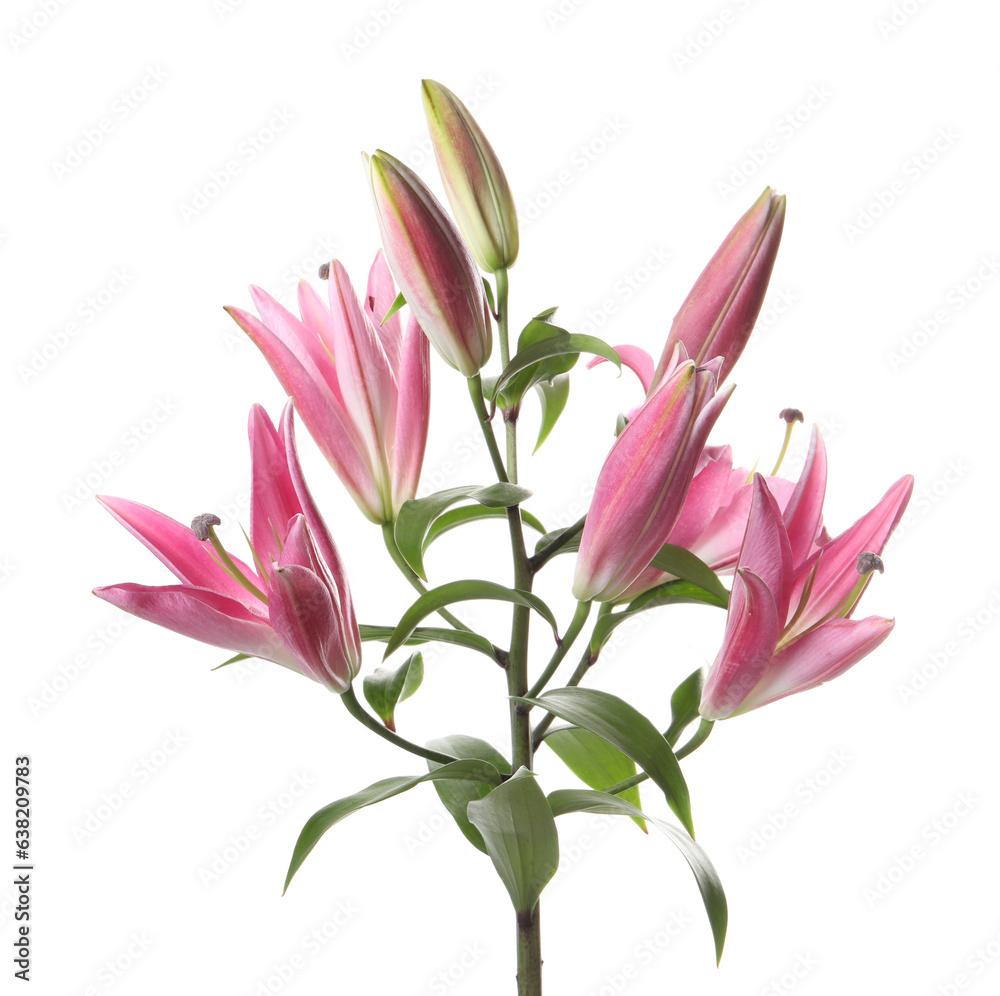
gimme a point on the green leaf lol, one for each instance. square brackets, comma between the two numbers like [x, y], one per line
[233, 660]
[668, 593]
[463, 591]
[620, 423]
[709, 883]
[684, 704]
[554, 395]
[488, 287]
[622, 725]
[685, 565]
[571, 545]
[396, 305]
[520, 835]
[455, 517]
[323, 819]
[431, 634]
[544, 316]
[456, 795]
[386, 687]
[416, 515]
[593, 760]
[556, 342]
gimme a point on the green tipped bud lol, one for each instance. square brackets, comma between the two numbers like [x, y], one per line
[473, 179]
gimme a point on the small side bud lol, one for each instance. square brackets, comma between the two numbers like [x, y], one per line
[201, 524]
[324, 271]
[791, 415]
[869, 562]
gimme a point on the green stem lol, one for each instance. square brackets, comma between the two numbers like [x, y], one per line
[355, 708]
[529, 955]
[582, 611]
[502, 320]
[390, 544]
[548, 552]
[478, 402]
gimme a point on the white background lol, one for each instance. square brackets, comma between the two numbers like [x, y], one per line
[634, 135]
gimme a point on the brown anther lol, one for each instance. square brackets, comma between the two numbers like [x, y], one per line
[200, 524]
[791, 415]
[324, 271]
[868, 562]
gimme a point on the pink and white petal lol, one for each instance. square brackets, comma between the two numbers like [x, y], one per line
[803, 513]
[765, 549]
[635, 358]
[381, 295]
[316, 317]
[836, 574]
[176, 546]
[412, 417]
[825, 653]
[201, 615]
[273, 500]
[708, 491]
[752, 629]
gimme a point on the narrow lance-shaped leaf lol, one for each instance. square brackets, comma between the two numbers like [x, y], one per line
[464, 591]
[520, 835]
[386, 687]
[432, 634]
[685, 565]
[416, 515]
[593, 760]
[709, 883]
[323, 819]
[456, 795]
[456, 517]
[553, 394]
[684, 704]
[622, 725]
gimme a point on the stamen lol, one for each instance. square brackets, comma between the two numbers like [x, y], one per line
[869, 562]
[790, 416]
[324, 271]
[203, 528]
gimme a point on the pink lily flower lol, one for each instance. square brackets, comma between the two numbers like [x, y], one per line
[361, 387]
[713, 520]
[718, 315]
[433, 265]
[789, 626]
[645, 479]
[292, 607]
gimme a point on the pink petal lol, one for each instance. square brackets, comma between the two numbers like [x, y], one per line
[272, 494]
[413, 415]
[185, 556]
[636, 359]
[201, 615]
[318, 321]
[752, 629]
[804, 512]
[381, 295]
[825, 653]
[765, 548]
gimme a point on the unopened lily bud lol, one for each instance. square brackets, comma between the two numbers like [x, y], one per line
[432, 265]
[473, 179]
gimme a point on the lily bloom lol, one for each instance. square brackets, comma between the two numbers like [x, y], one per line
[473, 179]
[713, 519]
[641, 488]
[292, 607]
[789, 626]
[361, 386]
[432, 264]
